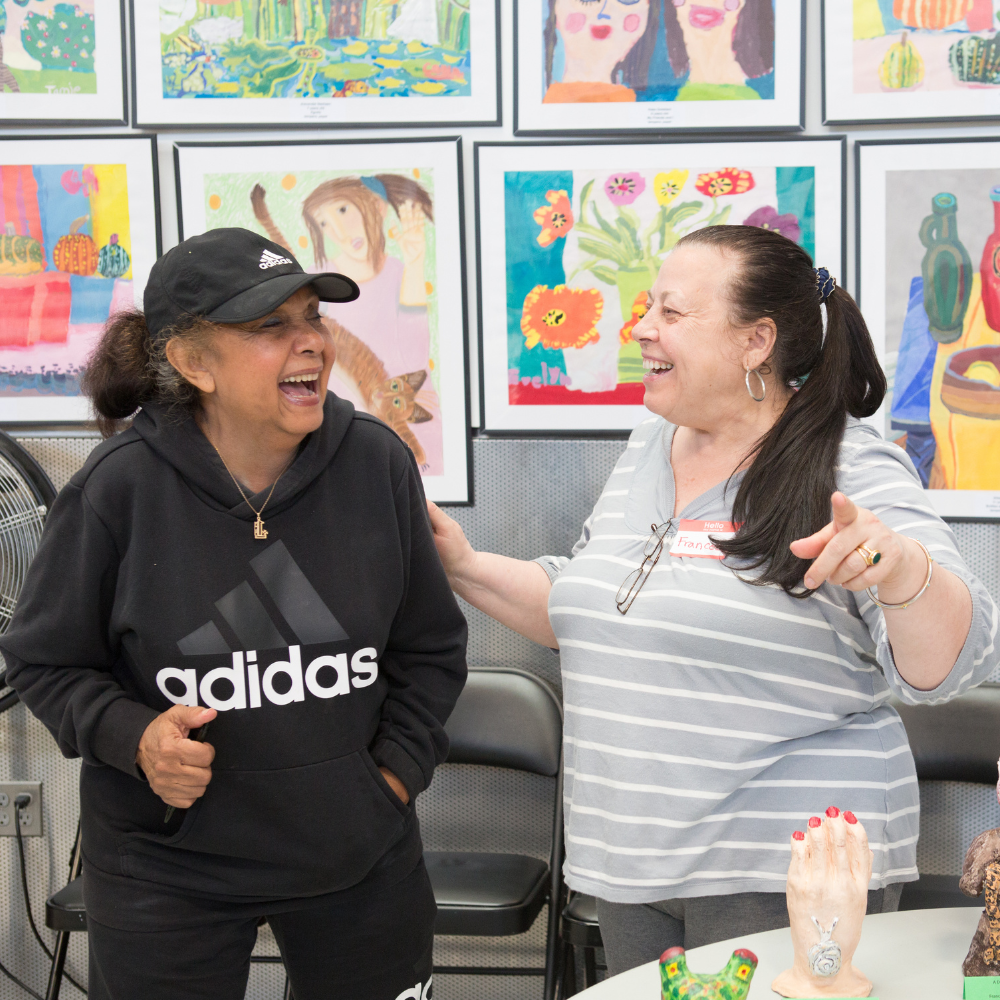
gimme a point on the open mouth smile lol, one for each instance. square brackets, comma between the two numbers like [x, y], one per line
[655, 369]
[303, 388]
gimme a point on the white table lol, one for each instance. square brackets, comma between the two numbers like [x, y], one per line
[913, 955]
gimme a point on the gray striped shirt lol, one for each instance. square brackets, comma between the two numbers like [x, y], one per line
[716, 717]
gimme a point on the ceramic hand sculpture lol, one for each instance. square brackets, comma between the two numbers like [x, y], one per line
[733, 983]
[980, 869]
[827, 895]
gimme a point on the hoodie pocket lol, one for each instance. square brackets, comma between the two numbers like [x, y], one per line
[338, 814]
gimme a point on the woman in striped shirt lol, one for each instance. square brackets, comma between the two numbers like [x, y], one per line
[726, 675]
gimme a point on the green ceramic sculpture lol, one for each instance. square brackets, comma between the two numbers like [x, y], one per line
[947, 270]
[732, 983]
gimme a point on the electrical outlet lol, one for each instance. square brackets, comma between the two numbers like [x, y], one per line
[31, 814]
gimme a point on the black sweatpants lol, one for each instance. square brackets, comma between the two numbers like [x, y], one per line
[366, 943]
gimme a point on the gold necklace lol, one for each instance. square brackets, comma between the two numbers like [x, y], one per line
[258, 526]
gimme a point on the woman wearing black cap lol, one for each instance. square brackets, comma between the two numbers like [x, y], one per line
[253, 555]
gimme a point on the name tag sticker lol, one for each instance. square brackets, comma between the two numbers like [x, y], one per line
[981, 987]
[694, 538]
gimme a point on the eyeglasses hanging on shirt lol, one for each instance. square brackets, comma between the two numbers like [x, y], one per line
[636, 580]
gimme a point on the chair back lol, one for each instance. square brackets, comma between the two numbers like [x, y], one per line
[955, 747]
[957, 741]
[506, 718]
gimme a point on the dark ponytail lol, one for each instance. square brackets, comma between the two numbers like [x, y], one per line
[785, 492]
[127, 369]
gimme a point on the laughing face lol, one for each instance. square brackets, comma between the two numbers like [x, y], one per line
[597, 35]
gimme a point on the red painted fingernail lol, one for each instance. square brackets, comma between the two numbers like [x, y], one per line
[814, 821]
[850, 817]
[833, 812]
[798, 835]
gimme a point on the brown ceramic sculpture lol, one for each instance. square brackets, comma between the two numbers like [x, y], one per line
[827, 895]
[981, 870]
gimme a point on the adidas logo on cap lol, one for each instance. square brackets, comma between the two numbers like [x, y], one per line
[268, 259]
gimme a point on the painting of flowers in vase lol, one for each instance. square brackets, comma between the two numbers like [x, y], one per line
[584, 248]
[939, 314]
[572, 237]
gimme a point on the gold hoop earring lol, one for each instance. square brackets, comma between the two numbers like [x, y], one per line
[763, 386]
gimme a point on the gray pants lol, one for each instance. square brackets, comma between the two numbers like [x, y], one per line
[636, 933]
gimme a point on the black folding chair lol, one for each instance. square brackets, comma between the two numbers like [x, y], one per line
[509, 719]
[955, 742]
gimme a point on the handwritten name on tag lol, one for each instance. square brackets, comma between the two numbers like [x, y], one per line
[694, 538]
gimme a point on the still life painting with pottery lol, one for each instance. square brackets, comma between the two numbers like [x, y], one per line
[943, 324]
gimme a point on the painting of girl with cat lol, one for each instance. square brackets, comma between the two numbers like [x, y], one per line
[353, 224]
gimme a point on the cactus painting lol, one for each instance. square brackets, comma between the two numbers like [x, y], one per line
[47, 47]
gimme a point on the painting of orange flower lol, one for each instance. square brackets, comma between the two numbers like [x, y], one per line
[561, 317]
[728, 180]
[639, 309]
[556, 218]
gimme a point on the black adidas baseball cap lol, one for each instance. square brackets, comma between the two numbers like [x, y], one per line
[230, 276]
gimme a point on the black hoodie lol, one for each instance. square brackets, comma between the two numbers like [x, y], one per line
[331, 648]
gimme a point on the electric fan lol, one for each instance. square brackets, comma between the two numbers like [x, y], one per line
[26, 494]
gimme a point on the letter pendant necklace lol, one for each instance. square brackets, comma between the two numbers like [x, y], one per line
[259, 533]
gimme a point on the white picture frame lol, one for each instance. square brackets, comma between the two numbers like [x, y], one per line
[94, 35]
[953, 442]
[592, 369]
[171, 88]
[78, 260]
[895, 71]
[650, 91]
[429, 342]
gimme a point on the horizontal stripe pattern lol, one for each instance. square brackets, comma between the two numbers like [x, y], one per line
[716, 717]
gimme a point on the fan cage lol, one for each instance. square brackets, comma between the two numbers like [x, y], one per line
[21, 520]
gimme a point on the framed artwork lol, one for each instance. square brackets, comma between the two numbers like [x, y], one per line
[910, 60]
[583, 67]
[571, 237]
[62, 63]
[387, 213]
[928, 260]
[346, 63]
[81, 230]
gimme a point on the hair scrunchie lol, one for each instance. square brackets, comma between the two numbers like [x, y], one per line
[825, 283]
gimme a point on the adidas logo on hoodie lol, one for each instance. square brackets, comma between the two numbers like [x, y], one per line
[246, 682]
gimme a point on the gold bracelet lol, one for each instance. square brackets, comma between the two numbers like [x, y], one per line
[906, 604]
